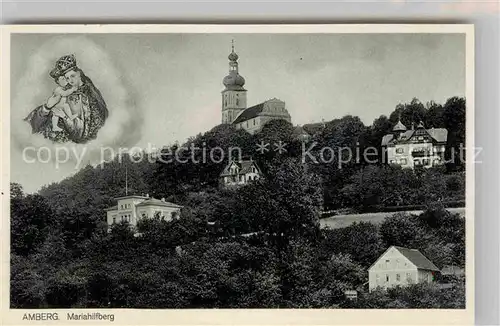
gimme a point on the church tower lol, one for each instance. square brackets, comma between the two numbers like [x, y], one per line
[234, 96]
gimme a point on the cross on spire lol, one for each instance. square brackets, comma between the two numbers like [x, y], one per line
[232, 45]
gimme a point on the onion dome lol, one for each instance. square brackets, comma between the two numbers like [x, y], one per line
[420, 125]
[399, 126]
[233, 56]
[233, 81]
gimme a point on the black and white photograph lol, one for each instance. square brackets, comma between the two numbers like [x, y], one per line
[239, 170]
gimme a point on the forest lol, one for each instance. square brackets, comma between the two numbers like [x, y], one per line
[258, 246]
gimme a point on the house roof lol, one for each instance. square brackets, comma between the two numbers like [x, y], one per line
[244, 166]
[440, 135]
[299, 131]
[386, 139]
[250, 113]
[157, 202]
[399, 126]
[414, 256]
[417, 258]
[131, 196]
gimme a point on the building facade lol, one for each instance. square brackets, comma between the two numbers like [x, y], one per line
[131, 209]
[400, 266]
[240, 173]
[234, 103]
[417, 147]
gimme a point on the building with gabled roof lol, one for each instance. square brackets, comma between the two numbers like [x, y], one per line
[133, 208]
[239, 173]
[400, 266]
[417, 147]
[234, 103]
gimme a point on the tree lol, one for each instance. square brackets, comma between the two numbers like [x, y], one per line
[359, 240]
[400, 229]
[410, 113]
[16, 191]
[31, 218]
[454, 112]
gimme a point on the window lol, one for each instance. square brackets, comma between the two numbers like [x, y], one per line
[378, 278]
[420, 138]
[144, 215]
[114, 220]
[254, 122]
[400, 150]
[425, 161]
[398, 277]
[397, 263]
[387, 277]
[393, 161]
[408, 277]
[404, 161]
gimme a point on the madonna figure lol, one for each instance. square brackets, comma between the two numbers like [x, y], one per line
[76, 109]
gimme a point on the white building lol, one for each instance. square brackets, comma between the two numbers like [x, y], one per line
[133, 208]
[400, 266]
[417, 147]
[240, 173]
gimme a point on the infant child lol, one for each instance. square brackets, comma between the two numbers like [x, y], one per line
[60, 108]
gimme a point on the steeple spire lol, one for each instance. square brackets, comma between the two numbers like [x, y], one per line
[234, 99]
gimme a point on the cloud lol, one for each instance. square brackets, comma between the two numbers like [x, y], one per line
[124, 124]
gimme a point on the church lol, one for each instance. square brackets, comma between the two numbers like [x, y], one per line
[234, 103]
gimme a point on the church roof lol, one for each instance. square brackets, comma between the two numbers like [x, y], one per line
[157, 202]
[250, 113]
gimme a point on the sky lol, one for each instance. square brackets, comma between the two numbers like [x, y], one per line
[162, 88]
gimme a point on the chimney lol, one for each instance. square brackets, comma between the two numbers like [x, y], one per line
[147, 195]
[163, 199]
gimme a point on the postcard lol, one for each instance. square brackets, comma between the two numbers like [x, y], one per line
[237, 174]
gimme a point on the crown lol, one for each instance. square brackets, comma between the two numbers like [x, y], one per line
[66, 63]
[54, 73]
